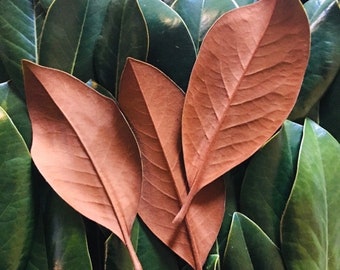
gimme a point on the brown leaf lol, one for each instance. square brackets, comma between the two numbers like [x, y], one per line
[243, 85]
[85, 149]
[153, 105]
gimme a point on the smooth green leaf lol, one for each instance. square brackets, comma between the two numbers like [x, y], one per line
[17, 37]
[153, 254]
[199, 15]
[69, 35]
[324, 61]
[213, 259]
[16, 200]
[310, 224]
[248, 247]
[124, 35]
[66, 243]
[269, 179]
[314, 8]
[330, 109]
[12, 103]
[171, 47]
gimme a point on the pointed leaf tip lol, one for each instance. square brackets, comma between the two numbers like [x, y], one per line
[84, 148]
[242, 87]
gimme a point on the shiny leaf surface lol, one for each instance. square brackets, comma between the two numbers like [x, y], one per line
[269, 178]
[11, 102]
[66, 243]
[17, 37]
[93, 165]
[199, 15]
[310, 224]
[248, 247]
[16, 200]
[153, 105]
[242, 88]
[324, 61]
[70, 31]
[124, 34]
[171, 47]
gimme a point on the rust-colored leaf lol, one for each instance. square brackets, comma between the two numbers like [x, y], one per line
[153, 105]
[243, 85]
[84, 148]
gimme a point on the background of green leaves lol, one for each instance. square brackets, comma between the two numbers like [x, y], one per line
[282, 201]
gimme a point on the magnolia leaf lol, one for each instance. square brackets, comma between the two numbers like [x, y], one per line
[248, 247]
[310, 223]
[199, 15]
[65, 235]
[16, 200]
[69, 34]
[171, 47]
[18, 38]
[84, 148]
[153, 105]
[11, 102]
[269, 179]
[242, 87]
[324, 61]
[124, 34]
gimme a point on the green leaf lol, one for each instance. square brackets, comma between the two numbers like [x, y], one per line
[45, 3]
[153, 254]
[269, 178]
[199, 15]
[17, 37]
[171, 47]
[16, 200]
[324, 61]
[248, 247]
[69, 34]
[314, 8]
[12, 103]
[124, 34]
[310, 224]
[330, 109]
[213, 259]
[66, 243]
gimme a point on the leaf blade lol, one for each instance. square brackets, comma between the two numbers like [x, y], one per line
[309, 235]
[153, 105]
[73, 158]
[233, 105]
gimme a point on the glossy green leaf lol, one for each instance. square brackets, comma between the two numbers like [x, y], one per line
[124, 34]
[17, 37]
[66, 243]
[171, 47]
[324, 61]
[330, 109]
[269, 178]
[69, 34]
[310, 224]
[153, 254]
[12, 103]
[248, 247]
[314, 8]
[199, 15]
[16, 200]
[213, 259]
